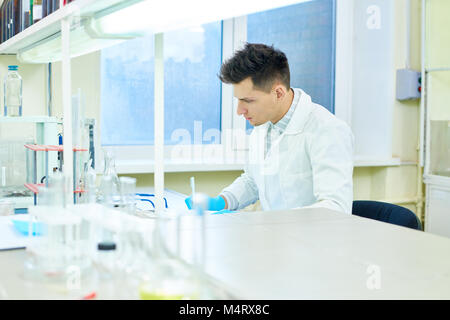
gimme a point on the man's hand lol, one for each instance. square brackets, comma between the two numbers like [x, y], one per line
[214, 204]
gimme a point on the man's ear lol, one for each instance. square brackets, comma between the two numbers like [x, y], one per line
[280, 91]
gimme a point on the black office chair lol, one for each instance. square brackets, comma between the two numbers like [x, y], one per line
[386, 212]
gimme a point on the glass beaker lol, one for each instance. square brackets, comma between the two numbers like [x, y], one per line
[128, 194]
[57, 186]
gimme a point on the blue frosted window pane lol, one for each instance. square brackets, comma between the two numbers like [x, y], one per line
[305, 32]
[192, 90]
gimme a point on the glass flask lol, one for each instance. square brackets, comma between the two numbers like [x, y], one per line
[110, 182]
[169, 277]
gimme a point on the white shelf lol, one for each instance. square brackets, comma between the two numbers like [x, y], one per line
[51, 24]
[146, 17]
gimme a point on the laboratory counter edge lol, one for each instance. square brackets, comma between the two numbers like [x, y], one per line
[297, 254]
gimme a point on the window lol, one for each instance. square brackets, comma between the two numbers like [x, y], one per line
[195, 100]
[192, 88]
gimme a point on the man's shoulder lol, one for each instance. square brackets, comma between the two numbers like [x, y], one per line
[323, 116]
[321, 119]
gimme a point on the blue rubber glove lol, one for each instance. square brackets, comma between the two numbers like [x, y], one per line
[214, 204]
[188, 202]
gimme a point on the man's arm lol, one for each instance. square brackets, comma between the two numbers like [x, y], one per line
[241, 193]
[331, 154]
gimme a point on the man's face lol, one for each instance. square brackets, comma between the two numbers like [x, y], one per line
[256, 106]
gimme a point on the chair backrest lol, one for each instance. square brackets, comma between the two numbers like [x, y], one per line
[386, 212]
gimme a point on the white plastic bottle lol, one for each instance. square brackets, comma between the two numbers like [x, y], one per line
[13, 93]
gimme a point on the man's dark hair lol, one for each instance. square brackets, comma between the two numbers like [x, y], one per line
[263, 64]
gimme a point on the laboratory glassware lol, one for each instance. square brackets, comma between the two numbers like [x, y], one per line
[13, 168]
[128, 194]
[90, 186]
[106, 191]
[111, 179]
[59, 246]
[107, 273]
[13, 93]
[169, 277]
[106, 257]
[6, 207]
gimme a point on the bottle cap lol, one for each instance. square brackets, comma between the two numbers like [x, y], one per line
[14, 68]
[106, 245]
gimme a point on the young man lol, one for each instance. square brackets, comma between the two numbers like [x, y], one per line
[301, 155]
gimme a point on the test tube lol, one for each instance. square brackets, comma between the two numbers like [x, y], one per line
[91, 187]
[130, 249]
[199, 204]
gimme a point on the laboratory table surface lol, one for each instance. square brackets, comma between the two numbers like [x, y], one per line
[298, 254]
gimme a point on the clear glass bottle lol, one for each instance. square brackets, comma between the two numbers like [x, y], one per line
[13, 93]
[106, 257]
[107, 273]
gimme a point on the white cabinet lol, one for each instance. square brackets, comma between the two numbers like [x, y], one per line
[437, 207]
[436, 114]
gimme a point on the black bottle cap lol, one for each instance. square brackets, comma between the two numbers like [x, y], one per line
[106, 245]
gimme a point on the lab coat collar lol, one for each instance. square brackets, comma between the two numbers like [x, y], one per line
[301, 113]
[282, 124]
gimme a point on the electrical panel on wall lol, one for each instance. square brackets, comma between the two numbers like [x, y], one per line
[408, 84]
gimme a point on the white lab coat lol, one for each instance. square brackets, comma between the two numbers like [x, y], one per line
[309, 165]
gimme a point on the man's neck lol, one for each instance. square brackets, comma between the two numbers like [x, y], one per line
[285, 106]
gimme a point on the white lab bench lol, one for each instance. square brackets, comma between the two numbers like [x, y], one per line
[298, 254]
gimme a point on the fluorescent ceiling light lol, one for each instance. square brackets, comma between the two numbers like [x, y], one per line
[134, 18]
[149, 16]
[49, 50]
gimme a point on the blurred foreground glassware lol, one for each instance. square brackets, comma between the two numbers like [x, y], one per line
[168, 277]
[58, 247]
[169, 280]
